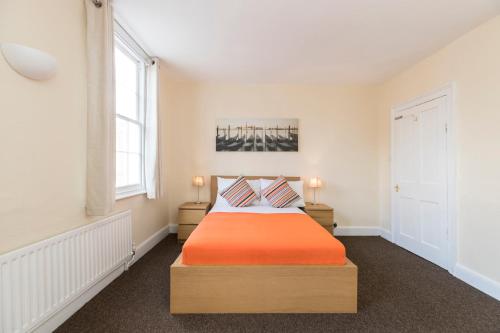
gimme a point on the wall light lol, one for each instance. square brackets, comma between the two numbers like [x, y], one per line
[29, 62]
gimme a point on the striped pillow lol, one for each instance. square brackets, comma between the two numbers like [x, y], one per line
[280, 194]
[239, 193]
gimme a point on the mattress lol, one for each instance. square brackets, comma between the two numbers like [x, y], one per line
[225, 208]
[242, 238]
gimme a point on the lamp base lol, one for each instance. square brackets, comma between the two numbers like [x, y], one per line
[198, 197]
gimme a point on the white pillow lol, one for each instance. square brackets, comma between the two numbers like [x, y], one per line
[223, 183]
[296, 185]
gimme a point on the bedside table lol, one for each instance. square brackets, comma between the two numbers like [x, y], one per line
[321, 213]
[190, 215]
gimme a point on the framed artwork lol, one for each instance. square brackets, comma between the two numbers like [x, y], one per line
[275, 135]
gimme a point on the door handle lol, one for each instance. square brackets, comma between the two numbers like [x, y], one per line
[396, 188]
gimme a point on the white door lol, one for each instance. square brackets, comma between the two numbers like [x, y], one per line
[420, 180]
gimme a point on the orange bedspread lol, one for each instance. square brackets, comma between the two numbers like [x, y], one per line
[261, 239]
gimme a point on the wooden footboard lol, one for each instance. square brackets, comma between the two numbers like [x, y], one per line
[263, 289]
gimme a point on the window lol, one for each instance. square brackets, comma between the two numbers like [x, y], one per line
[130, 78]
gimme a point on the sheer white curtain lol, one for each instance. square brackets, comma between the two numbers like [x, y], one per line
[152, 131]
[100, 109]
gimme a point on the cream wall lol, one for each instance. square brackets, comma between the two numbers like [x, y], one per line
[43, 131]
[473, 63]
[338, 141]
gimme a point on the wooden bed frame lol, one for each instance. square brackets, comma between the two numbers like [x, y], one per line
[262, 288]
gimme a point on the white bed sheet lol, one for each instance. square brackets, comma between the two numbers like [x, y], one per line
[218, 208]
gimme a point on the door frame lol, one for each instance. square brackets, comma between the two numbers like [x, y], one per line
[447, 91]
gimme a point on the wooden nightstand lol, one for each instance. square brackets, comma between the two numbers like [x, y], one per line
[321, 213]
[190, 215]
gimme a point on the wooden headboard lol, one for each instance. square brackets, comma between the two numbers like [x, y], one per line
[214, 189]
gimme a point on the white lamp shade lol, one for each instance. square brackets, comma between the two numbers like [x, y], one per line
[31, 63]
[198, 181]
[315, 182]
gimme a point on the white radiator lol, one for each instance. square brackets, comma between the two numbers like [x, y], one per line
[40, 279]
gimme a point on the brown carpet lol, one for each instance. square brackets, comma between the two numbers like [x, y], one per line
[398, 292]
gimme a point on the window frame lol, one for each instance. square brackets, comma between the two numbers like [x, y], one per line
[125, 43]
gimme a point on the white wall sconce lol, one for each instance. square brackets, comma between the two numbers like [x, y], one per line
[29, 62]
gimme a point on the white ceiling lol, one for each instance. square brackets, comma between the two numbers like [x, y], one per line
[297, 41]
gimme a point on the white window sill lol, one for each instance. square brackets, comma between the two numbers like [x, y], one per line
[128, 194]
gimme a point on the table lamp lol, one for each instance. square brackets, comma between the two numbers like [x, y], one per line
[314, 183]
[198, 181]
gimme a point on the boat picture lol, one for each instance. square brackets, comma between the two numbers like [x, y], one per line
[257, 135]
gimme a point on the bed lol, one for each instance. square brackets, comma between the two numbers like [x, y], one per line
[261, 260]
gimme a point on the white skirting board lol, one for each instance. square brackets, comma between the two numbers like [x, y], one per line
[339, 231]
[469, 276]
[478, 281]
[173, 228]
[386, 234]
[149, 243]
[357, 231]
